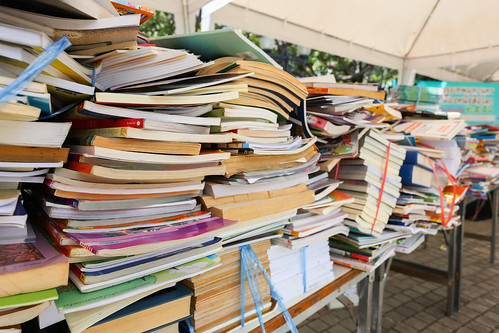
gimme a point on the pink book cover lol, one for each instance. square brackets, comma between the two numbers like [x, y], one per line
[101, 241]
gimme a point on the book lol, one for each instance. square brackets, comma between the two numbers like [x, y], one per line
[431, 129]
[128, 156]
[146, 175]
[107, 30]
[292, 242]
[209, 201]
[215, 44]
[22, 314]
[33, 154]
[363, 265]
[141, 123]
[160, 308]
[253, 209]
[22, 133]
[224, 190]
[326, 127]
[413, 174]
[131, 242]
[351, 90]
[94, 114]
[27, 299]
[19, 112]
[23, 261]
[142, 134]
[144, 146]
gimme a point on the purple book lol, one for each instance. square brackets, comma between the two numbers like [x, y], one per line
[24, 256]
[199, 228]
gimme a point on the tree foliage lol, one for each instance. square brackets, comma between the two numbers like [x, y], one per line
[161, 24]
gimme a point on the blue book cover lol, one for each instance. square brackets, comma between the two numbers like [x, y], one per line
[158, 298]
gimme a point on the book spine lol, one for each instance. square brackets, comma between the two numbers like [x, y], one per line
[78, 272]
[316, 122]
[107, 123]
[76, 166]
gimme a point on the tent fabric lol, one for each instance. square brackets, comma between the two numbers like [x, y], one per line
[451, 39]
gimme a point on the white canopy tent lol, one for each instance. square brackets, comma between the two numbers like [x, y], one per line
[452, 40]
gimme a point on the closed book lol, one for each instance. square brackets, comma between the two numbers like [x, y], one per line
[34, 134]
[161, 308]
[413, 174]
[415, 157]
[28, 267]
[144, 146]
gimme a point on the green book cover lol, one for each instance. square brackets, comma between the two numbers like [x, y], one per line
[214, 44]
[28, 298]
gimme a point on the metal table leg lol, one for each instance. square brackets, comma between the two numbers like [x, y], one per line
[364, 314]
[459, 265]
[451, 270]
[378, 289]
[494, 225]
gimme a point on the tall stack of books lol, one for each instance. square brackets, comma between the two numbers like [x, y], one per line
[432, 161]
[373, 180]
[30, 269]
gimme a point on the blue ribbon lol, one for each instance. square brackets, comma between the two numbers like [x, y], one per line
[304, 267]
[35, 68]
[250, 264]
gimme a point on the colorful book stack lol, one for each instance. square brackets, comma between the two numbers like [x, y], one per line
[479, 156]
[30, 268]
[427, 202]
[373, 180]
[216, 301]
[362, 251]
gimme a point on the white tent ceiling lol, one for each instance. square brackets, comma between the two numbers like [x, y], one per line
[446, 39]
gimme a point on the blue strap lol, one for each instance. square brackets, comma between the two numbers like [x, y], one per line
[35, 68]
[250, 262]
[419, 95]
[304, 267]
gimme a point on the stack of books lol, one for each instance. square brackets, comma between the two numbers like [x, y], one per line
[216, 300]
[373, 180]
[365, 252]
[296, 271]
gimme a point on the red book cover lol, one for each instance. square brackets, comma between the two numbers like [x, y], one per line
[107, 123]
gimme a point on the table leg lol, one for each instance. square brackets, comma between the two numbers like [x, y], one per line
[494, 225]
[451, 270]
[364, 314]
[459, 265]
[378, 289]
